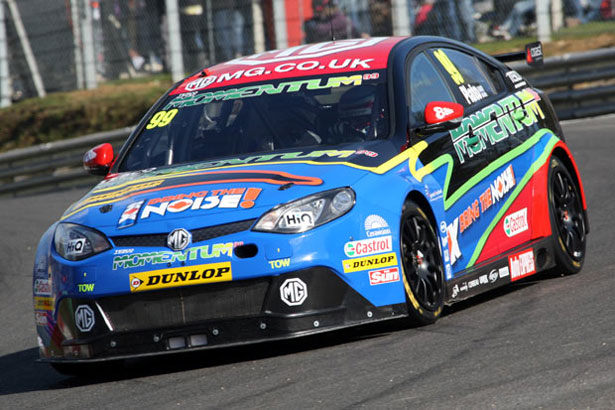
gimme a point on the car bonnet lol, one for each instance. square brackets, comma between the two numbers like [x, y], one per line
[198, 195]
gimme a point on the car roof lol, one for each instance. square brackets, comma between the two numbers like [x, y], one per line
[331, 57]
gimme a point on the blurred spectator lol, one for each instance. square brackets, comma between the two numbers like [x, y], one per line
[522, 12]
[449, 18]
[359, 12]
[329, 22]
[228, 29]
[465, 14]
[422, 16]
[150, 43]
[380, 11]
[599, 10]
[192, 22]
[119, 56]
[128, 36]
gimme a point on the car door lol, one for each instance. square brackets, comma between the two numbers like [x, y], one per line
[461, 158]
[426, 84]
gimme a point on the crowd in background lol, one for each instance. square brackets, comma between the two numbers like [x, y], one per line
[131, 36]
[219, 30]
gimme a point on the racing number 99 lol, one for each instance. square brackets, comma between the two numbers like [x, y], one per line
[162, 119]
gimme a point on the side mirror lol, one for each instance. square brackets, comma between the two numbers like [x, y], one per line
[98, 160]
[441, 116]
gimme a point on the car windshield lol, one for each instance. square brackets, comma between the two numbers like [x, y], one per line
[264, 117]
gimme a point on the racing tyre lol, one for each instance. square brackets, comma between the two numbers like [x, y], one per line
[567, 219]
[421, 265]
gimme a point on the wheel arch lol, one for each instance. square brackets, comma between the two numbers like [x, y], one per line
[423, 203]
[564, 155]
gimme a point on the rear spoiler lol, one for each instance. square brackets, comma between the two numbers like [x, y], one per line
[532, 55]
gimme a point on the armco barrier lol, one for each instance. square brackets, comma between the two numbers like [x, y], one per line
[579, 85]
[54, 164]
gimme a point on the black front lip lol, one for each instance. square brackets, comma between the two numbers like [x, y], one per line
[215, 315]
[230, 333]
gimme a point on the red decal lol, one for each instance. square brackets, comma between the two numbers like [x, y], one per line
[342, 56]
[442, 111]
[250, 197]
[378, 277]
[521, 265]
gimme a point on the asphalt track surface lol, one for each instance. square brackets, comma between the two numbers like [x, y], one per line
[548, 342]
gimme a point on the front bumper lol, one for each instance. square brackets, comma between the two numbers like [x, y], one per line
[199, 317]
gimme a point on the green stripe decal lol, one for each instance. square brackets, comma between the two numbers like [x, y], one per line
[469, 184]
[526, 178]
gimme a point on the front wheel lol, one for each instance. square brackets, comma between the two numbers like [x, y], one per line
[567, 218]
[422, 265]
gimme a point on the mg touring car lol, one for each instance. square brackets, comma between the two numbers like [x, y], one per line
[309, 189]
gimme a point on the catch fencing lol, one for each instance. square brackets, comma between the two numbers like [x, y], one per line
[60, 45]
[579, 85]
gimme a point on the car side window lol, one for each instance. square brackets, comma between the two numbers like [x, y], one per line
[469, 75]
[426, 85]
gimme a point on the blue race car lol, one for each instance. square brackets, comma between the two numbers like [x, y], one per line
[310, 189]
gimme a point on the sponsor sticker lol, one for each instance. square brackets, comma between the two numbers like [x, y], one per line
[433, 195]
[500, 186]
[85, 287]
[367, 247]
[40, 318]
[42, 287]
[516, 223]
[495, 123]
[473, 93]
[516, 79]
[43, 303]
[232, 198]
[522, 265]
[279, 263]
[135, 283]
[375, 225]
[75, 246]
[378, 277]
[129, 259]
[452, 231]
[293, 292]
[183, 276]
[370, 262]
[300, 219]
[129, 216]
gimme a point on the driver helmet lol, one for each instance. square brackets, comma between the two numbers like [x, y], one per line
[358, 113]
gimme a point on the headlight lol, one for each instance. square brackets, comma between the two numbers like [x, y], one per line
[307, 213]
[76, 242]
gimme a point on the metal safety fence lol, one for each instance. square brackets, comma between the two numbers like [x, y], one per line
[60, 45]
[579, 85]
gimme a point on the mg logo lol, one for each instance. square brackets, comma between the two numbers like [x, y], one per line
[84, 318]
[293, 292]
[179, 239]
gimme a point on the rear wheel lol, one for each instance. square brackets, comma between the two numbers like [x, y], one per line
[422, 265]
[567, 218]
